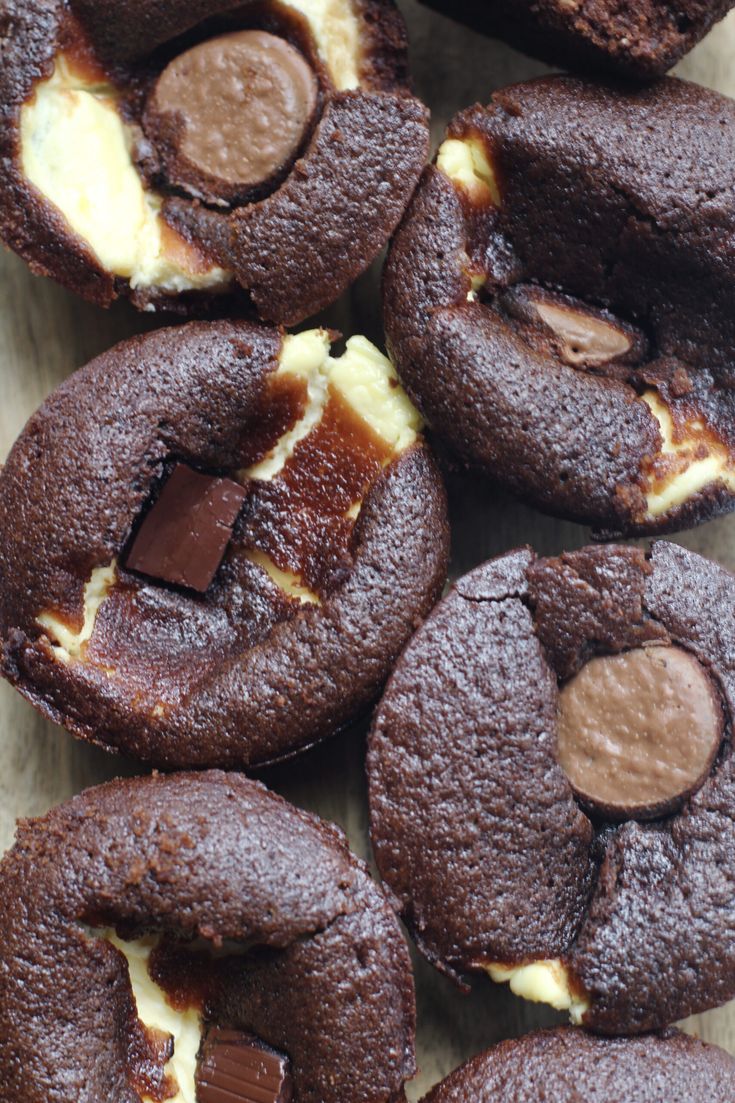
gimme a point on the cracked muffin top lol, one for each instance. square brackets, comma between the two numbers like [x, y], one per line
[208, 156]
[551, 782]
[558, 299]
[154, 933]
[638, 39]
[221, 566]
[578, 1067]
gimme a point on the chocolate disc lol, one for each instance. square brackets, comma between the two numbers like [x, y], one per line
[638, 731]
[231, 113]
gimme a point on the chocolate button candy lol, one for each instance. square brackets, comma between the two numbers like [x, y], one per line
[228, 115]
[639, 731]
[184, 535]
[238, 1068]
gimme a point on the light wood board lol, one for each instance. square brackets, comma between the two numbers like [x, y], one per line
[45, 333]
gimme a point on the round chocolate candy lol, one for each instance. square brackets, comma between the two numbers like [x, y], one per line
[558, 304]
[230, 115]
[638, 732]
[206, 154]
[605, 672]
[155, 931]
[222, 570]
[575, 1066]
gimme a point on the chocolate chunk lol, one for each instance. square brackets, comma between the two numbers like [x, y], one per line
[239, 1068]
[231, 114]
[638, 732]
[578, 334]
[184, 535]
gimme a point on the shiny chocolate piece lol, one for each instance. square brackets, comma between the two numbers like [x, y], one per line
[184, 535]
[585, 339]
[239, 1068]
[638, 732]
[231, 114]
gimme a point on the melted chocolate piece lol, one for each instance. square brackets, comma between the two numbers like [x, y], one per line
[230, 115]
[638, 732]
[184, 535]
[239, 1068]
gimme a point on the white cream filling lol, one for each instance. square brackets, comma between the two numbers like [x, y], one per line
[362, 376]
[466, 162]
[336, 31]
[541, 982]
[286, 581]
[69, 644]
[367, 381]
[700, 460]
[155, 1012]
[76, 150]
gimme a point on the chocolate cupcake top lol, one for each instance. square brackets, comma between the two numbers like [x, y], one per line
[187, 154]
[155, 931]
[641, 39]
[215, 540]
[558, 299]
[575, 1066]
[530, 808]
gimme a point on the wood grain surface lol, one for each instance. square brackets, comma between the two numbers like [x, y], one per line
[45, 333]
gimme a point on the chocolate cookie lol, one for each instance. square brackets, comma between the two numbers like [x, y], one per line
[532, 826]
[577, 1067]
[559, 299]
[214, 542]
[195, 936]
[193, 155]
[641, 39]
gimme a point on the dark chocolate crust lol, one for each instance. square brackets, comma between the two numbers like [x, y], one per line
[206, 856]
[301, 241]
[640, 39]
[245, 675]
[475, 827]
[623, 199]
[577, 1067]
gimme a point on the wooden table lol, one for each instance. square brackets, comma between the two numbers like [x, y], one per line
[45, 333]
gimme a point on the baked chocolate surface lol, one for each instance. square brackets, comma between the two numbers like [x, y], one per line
[578, 1067]
[636, 38]
[257, 667]
[356, 140]
[475, 825]
[616, 207]
[217, 858]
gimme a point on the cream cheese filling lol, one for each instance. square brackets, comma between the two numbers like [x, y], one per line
[70, 645]
[76, 150]
[541, 982]
[466, 162]
[362, 376]
[155, 1012]
[696, 461]
[287, 581]
[336, 30]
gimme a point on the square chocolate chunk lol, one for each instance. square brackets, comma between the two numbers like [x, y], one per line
[184, 535]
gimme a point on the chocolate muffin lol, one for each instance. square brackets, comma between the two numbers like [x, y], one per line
[209, 154]
[559, 299]
[552, 783]
[155, 932]
[577, 1067]
[639, 39]
[214, 541]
